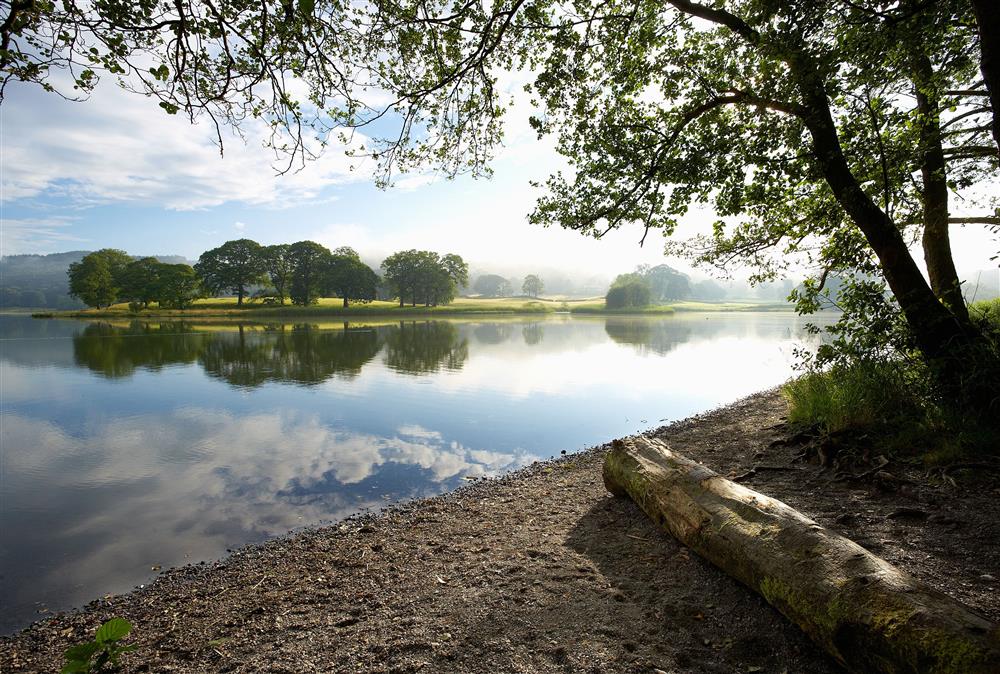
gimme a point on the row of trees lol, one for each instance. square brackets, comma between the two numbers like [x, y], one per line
[301, 272]
[107, 276]
[494, 285]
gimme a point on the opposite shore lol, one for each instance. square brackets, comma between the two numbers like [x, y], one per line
[463, 306]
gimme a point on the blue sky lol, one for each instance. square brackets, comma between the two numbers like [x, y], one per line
[115, 171]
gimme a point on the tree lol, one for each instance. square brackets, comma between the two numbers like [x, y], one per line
[424, 276]
[310, 269]
[628, 291]
[278, 266]
[234, 266]
[351, 279]
[96, 279]
[491, 285]
[178, 286]
[140, 283]
[532, 286]
[665, 282]
[708, 290]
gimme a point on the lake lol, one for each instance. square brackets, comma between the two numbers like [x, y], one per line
[130, 446]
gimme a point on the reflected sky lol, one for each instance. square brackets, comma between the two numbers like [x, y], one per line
[134, 444]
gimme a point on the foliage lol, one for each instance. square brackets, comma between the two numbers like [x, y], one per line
[665, 282]
[105, 649]
[234, 266]
[856, 396]
[351, 279]
[532, 286]
[628, 291]
[278, 266]
[96, 279]
[492, 285]
[424, 276]
[310, 266]
[178, 286]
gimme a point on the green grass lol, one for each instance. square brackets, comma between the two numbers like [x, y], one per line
[846, 399]
[987, 311]
[327, 306]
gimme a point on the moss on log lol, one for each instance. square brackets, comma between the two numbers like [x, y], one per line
[869, 615]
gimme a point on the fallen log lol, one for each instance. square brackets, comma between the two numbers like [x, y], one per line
[869, 615]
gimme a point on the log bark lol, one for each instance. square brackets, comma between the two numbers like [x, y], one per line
[869, 615]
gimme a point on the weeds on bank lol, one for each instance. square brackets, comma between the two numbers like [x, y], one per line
[889, 406]
[105, 649]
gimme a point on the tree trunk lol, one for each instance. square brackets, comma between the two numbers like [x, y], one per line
[936, 241]
[239, 296]
[938, 333]
[869, 615]
[988, 21]
[345, 301]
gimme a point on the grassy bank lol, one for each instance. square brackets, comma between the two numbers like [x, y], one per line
[333, 307]
[891, 407]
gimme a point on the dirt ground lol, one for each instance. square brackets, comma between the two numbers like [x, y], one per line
[539, 571]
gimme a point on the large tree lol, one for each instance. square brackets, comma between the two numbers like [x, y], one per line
[310, 271]
[97, 279]
[532, 285]
[351, 279]
[234, 266]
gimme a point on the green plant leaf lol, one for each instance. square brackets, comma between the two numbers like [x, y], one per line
[82, 651]
[113, 630]
[307, 6]
[75, 666]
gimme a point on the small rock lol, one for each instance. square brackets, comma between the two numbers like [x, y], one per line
[986, 577]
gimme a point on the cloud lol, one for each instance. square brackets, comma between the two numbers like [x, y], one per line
[35, 235]
[239, 226]
[120, 147]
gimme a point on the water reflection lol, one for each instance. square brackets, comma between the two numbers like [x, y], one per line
[299, 354]
[133, 444]
[173, 488]
[423, 347]
[118, 352]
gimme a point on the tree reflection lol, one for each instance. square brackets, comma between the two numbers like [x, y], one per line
[115, 352]
[301, 355]
[298, 354]
[659, 336]
[533, 333]
[422, 347]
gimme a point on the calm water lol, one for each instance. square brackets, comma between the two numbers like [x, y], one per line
[132, 445]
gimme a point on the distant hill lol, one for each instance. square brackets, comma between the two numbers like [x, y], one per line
[40, 281]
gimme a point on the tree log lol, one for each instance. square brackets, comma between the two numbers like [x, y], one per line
[869, 615]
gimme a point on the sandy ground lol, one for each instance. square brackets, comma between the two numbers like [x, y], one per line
[539, 571]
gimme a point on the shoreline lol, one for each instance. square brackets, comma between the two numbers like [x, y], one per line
[537, 570]
[530, 308]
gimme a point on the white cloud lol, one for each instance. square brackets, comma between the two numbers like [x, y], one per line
[239, 226]
[120, 147]
[34, 235]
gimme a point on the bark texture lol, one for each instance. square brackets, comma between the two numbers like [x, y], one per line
[988, 21]
[869, 615]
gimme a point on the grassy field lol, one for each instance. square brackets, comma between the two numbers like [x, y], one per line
[331, 306]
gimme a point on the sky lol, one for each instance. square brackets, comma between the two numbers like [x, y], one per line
[116, 171]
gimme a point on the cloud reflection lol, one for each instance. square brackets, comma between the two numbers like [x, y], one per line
[185, 486]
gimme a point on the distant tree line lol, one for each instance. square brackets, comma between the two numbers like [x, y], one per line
[300, 272]
[494, 285]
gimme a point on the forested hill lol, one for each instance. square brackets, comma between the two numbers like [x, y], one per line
[36, 281]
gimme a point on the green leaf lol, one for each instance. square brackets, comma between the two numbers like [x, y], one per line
[82, 651]
[113, 630]
[169, 107]
[75, 666]
[307, 6]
